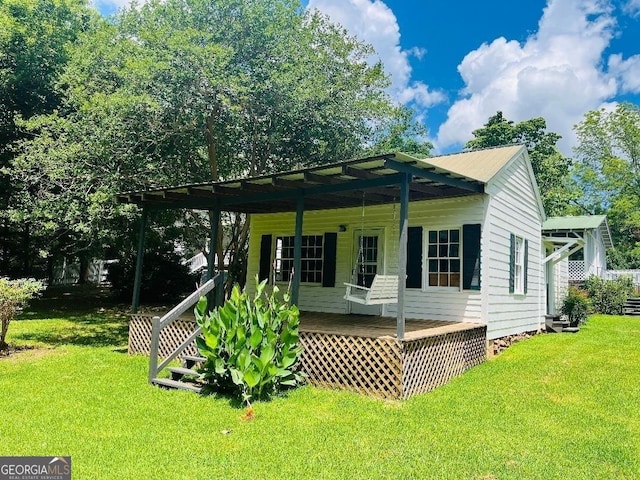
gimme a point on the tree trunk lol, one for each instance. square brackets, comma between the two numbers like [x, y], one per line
[26, 236]
[83, 277]
[50, 262]
[212, 151]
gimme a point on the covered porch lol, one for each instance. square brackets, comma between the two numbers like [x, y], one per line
[385, 357]
[359, 353]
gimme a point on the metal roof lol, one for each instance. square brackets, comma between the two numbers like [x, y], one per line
[481, 165]
[580, 222]
[374, 180]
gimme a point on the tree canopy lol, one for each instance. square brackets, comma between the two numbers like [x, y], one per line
[35, 38]
[179, 91]
[608, 170]
[550, 167]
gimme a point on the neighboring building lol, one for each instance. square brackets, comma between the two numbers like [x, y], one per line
[576, 249]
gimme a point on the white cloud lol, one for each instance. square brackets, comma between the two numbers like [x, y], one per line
[632, 7]
[627, 71]
[557, 74]
[417, 52]
[373, 21]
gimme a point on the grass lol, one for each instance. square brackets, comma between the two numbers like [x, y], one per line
[555, 406]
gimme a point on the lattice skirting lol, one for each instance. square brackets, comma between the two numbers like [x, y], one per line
[433, 361]
[372, 366]
[171, 336]
[381, 367]
[388, 368]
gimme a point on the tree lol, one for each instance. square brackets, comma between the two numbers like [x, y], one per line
[404, 134]
[550, 167]
[608, 169]
[192, 90]
[34, 43]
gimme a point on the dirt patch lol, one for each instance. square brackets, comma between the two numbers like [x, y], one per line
[19, 351]
[12, 349]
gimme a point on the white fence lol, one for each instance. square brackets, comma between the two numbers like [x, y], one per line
[69, 272]
[578, 271]
[633, 274]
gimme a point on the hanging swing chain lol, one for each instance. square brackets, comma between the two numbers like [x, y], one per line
[360, 257]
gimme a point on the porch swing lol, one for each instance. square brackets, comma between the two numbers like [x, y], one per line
[383, 289]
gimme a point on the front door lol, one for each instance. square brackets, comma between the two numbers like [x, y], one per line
[368, 257]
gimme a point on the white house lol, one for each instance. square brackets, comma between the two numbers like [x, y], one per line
[575, 248]
[460, 234]
[470, 258]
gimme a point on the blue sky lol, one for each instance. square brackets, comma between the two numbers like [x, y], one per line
[457, 63]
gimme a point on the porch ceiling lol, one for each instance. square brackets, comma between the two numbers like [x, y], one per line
[374, 180]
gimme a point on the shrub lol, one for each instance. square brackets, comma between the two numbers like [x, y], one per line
[251, 345]
[576, 306]
[608, 296]
[14, 295]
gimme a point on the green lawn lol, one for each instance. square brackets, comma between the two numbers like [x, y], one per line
[555, 406]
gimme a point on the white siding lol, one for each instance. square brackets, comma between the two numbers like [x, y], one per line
[513, 208]
[595, 254]
[441, 304]
[561, 281]
[510, 205]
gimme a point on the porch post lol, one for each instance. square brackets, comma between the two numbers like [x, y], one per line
[297, 251]
[402, 251]
[137, 282]
[214, 219]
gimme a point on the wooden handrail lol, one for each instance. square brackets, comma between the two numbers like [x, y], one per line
[160, 323]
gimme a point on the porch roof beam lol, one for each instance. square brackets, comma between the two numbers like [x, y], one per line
[322, 179]
[445, 179]
[237, 198]
[359, 173]
[571, 246]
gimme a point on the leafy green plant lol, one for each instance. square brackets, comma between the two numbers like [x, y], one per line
[576, 305]
[608, 296]
[251, 344]
[14, 295]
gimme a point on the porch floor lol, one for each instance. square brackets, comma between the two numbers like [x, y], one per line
[376, 327]
[367, 326]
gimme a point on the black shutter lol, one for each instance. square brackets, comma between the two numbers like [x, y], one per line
[265, 257]
[526, 264]
[329, 261]
[414, 257]
[471, 256]
[512, 264]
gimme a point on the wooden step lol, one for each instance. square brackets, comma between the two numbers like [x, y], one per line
[168, 383]
[178, 372]
[554, 324]
[190, 360]
[631, 306]
[571, 329]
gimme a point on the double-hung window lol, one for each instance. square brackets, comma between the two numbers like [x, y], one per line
[311, 258]
[443, 258]
[518, 266]
[518, 261]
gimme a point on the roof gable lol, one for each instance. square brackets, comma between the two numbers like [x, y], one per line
[580, 222]
[481, 165]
